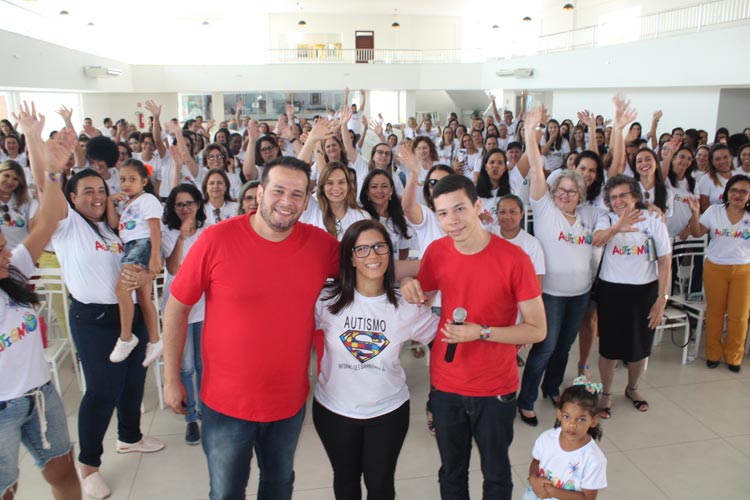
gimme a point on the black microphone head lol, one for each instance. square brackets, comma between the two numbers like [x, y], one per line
[459, 315]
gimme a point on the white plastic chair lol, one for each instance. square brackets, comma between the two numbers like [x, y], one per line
[684, 256]
[528, 218]
[48, 284]
[158, 366]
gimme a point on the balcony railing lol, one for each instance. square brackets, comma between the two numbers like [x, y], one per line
[684, 20]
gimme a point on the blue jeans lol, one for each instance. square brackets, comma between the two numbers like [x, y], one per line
[228, 444]
[550, 356]
[95, 329]
[489, 421]
[192, 364]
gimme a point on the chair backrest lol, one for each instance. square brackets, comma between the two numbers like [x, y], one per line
[528, 219]
[685, 254]
[48, 282]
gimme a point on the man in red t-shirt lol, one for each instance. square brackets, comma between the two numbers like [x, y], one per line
[261, 275]
[474, 395]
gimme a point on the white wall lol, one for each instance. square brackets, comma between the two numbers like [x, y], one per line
[116, 106]
[734, 109]
[687, 107]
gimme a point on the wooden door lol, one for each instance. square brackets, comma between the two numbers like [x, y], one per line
[365, 45]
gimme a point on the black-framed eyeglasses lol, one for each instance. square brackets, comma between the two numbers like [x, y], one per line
[362, 251]
[432, 182]
[182, 205]
[6, 215]
[266, 149]
[566, 192]
[215, 157]
[382, 152]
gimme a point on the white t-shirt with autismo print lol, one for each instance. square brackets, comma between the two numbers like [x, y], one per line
[16, 228]
[577, 470]
[730, 243]
[134, 219]
[22, 363]
[90, 262]
[360, 373]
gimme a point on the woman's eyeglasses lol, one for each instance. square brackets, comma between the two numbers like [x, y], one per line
[363, 251]
[187, 204]
[432, 182]
[215, 157]
[566, 192]
[266, 149]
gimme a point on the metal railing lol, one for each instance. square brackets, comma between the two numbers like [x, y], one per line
[690, 19]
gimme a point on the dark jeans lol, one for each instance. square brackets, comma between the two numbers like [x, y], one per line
[550, 356]
[358, 447]
[228, 444]
[489, 421]
[95, 329]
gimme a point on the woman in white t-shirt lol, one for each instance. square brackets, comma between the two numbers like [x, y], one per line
[701, 162]
[335, 208]
[361, 405]
[634, 283]
[564, 226]
[382, 157]
[217, 156]
[184, 220]
[90, 255]
[17, 208]
[260, 150]
[711, 186]
[655, 191]
[12, 150]
[726, 272]
[425, 152]
[447, 146]
[554, 146]
[380, 199]
[682, 184]
[219, 204]
[31, 410]
[493, 183]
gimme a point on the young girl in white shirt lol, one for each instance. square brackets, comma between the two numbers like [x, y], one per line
[567, 463]
[140, 231]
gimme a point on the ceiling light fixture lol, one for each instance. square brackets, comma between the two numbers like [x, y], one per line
[495, 27]
[301, 22]
[395, 23]
[527, 18]
[568, 6]
[90, 24]
[205, 23]
[64, 12]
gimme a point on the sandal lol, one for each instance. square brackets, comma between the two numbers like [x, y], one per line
[639, 404]
[584, 370]
[605, 412]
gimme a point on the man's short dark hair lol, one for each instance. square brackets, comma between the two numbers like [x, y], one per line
[288, 162]
[104, 149]
[452, 183]
[106, 120]
[514, 145]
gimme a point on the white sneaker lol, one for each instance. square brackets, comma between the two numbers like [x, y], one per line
[94, 486]
[147, 444]
[153, 351]
[123, 349]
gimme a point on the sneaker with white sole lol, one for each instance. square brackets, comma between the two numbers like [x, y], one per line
[94, 486]
[153, 351]
[147, 444]
[123, 349]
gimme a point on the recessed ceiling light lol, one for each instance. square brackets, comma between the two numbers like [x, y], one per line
[527, 18]
[205, 23]
[90, 24]
[64, 12]
[495, 27]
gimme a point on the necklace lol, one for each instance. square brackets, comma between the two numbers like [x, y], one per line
[568, 214]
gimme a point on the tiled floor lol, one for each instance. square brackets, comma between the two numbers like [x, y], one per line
[694, 443]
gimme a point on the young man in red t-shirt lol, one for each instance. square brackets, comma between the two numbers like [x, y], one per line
[261, 275]
[474, 395]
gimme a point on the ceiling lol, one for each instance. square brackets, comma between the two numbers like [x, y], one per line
[237, 31]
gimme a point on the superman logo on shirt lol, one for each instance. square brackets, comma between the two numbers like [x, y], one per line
[364, 345]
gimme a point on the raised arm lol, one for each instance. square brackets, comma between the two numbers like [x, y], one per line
[238, 112]
[365, 126]
[320, 132]
[346, 138]
[79, 153]
[412, 209]
[535, 117]
[32, 126]
[377, 128]
[588, 118]
[667, 153]
[624, 114]
[697, 229]
[652, 131]
[187, 157]
[495, 112]
[155, 110]
[253, 134]
[364, 100]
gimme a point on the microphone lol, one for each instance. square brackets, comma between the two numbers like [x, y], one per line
[459, 316]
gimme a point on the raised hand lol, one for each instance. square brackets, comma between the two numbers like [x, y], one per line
[534, 117]
[65, 113]
[31, 123]
[346, 114]
[58, 150]
[624, 114]
[173, 128]
[408, 159]
[240, 102]
[324, 129]
[588, 118]
[376, 127]
[694, 204]
[153, 108]
[176, 153]
[253, 130]
[627, 222]
[289, 110]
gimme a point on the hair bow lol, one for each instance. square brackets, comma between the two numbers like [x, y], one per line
[588, 385]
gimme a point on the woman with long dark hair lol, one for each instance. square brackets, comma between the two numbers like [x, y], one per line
[219, 204]
[711, 186]
[17, 206]
[361, 405]
[184, 219]
[380, 199]
[554, 146]
[492, 184]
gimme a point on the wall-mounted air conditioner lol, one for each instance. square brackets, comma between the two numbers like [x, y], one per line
[101, 72]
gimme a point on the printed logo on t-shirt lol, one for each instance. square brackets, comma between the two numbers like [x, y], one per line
[15, 335]
[682, 199]
[365, 338]
[114, 247]
[630, 250]
[732, 233]
[574, 472]
[576, 239]
[17, 222]
[128, 219]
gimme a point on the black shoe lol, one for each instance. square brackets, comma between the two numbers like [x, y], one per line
[712, 364]
[734, 368]
[193, 433]
[532, 421]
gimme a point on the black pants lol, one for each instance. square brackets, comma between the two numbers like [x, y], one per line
[357, 447]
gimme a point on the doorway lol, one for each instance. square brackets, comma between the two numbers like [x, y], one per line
[364, 45]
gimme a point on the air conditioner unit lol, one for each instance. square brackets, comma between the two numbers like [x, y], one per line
[518, 72]
[101, 72]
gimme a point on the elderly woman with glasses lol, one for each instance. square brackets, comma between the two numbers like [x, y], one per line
[633, 289]
[564, 226]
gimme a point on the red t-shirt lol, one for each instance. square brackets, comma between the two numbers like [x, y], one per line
[260, 301]
[489, 285]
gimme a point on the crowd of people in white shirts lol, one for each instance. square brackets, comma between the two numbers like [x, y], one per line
[601, 200]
